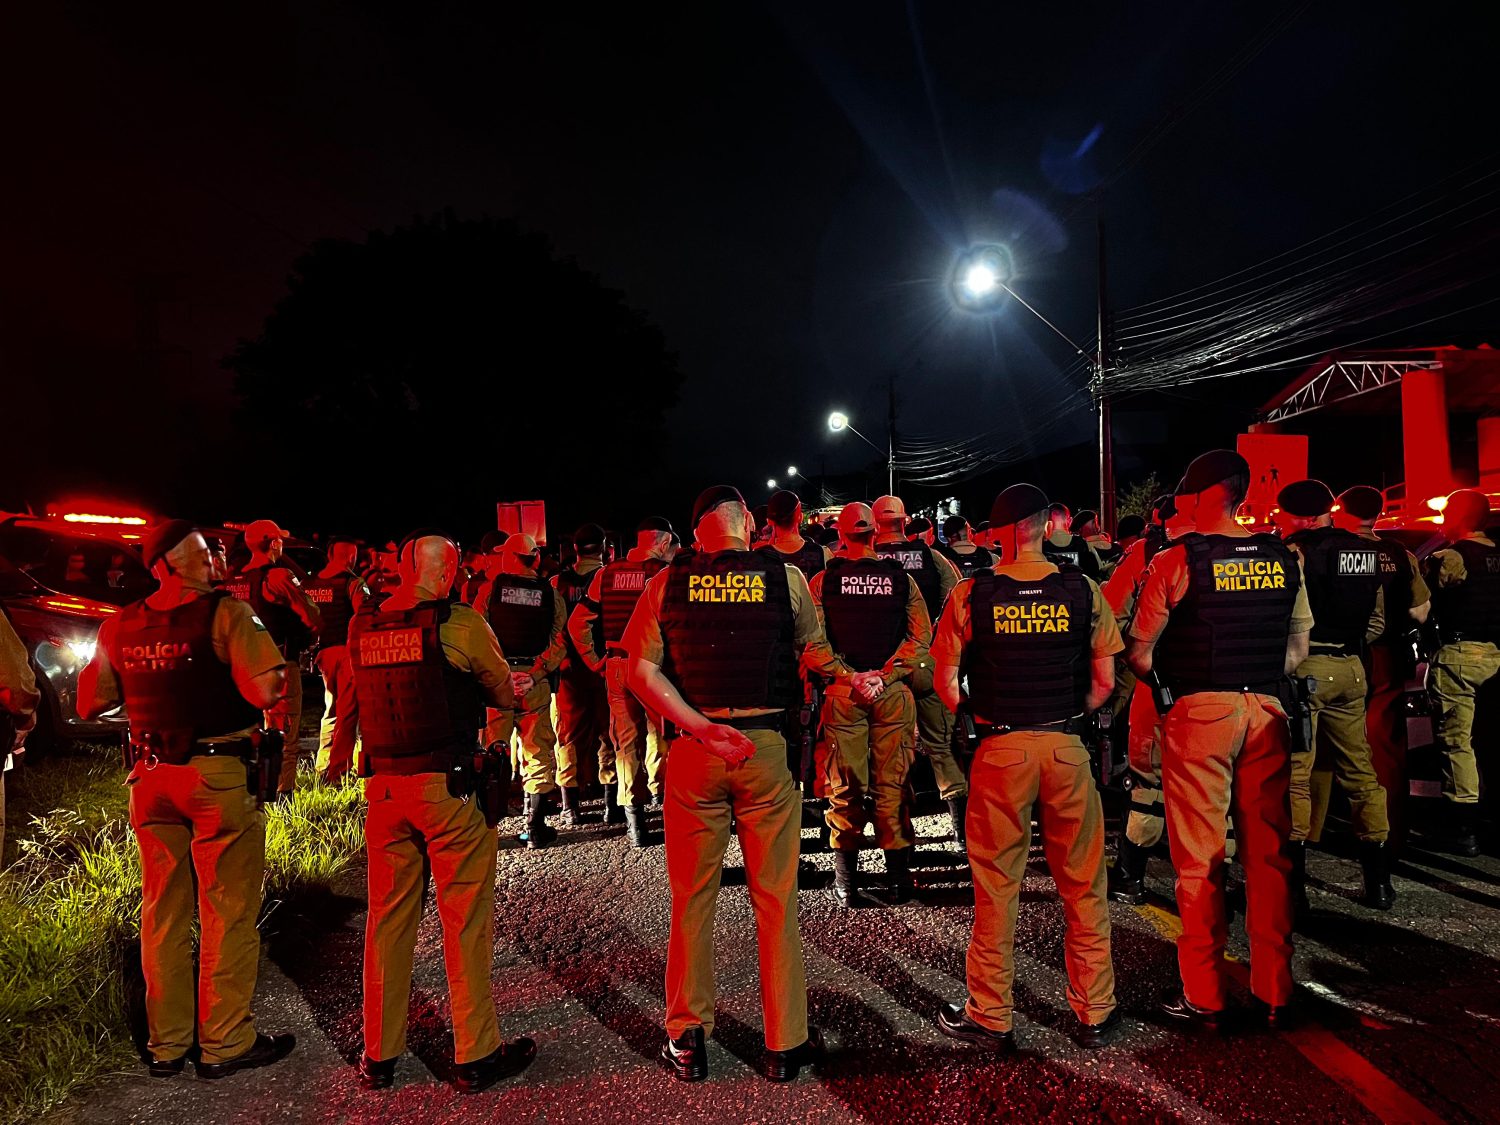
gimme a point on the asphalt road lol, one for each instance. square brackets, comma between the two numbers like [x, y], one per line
[1404, 1007]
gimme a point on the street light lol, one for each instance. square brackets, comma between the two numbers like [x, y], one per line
[839, 421]
[771, 484]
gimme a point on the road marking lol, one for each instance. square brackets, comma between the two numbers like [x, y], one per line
[1368, 1084]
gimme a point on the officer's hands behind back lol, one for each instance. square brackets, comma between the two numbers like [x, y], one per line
[724, 742]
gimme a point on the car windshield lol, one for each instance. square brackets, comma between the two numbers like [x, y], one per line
[14, 582]
[90, 568]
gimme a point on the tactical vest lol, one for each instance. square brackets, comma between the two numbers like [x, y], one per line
[286, 628]
[413, 704]
[726, 622]
[970, 564]
[1229, 632]
[1470, 610]
[620, 589]
[1395, 581]
[176, 690]
[864, 610]
[1028, 661]
[573, 586]
[808, 558]
[917, 560]
[521, 612]
[1076, 552]
[1342, 571]
[335, 606]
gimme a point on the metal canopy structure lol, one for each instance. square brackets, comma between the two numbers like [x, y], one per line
[1350, 380]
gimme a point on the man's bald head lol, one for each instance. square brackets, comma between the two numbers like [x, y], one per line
[433, 564]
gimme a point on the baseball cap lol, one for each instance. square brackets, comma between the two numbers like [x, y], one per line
[588, 535]
[1306, 498]
[1130, 525]
[1362, 502]
[1466, 506]
[1083, 519]
[889, 508]
[1211, 468]
[519, 544]
[856, 517]
[953, 525]
[1016, 503]
[711, 497]
[162, 538]
[262, 531]
[919, 525]
[781, 505]
[492, 541]
[655, 523]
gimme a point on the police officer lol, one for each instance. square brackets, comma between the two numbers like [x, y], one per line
[195, 668]
[527, 615]
[424, 669]
[960, 549]
[1344, 588]
[1063, 546]
[584, 751]
[712, 647]
[877, 627]
[1465, 581]
[1038, 646]
[920, 530]
[1387, 658]
[486, 565]
[18, 700]
[784, 514]
[935, 576]
[1220, 622]
[1086, 525]
[597, 631]
[338, 592]
[274, 589]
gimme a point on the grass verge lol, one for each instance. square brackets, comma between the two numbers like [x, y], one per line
[70, 914]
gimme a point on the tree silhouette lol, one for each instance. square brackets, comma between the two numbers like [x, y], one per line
[424, 374]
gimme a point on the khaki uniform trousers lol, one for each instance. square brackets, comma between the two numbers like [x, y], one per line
[1013, 773]
[286, 716]
[935, 732]
[868, 749]
[414, 826]
[1146, 818]
[1339, 750]
[537, 740]
[1224, 751]
[584, 751]
[1459, 670]
[338, 733]
[1385, 730]
[701, 794]
[637, 742]
[201, 836]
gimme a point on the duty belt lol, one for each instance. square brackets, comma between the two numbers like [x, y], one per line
[776, 720]
[1332, 648]
[404, 765]
[1265, 687]
[1067, 726]
[149, 747]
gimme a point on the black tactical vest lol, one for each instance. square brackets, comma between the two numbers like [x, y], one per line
[726, 622]
[1470, 610]
[620, 588]
[413, 704]
[573, 586]
[864, 610]
[1342, 571]
[1395, 579]
[1229, 632]
[1076, 553]
[335, 606]
[970, 564]
[176, 690]
[1028, 663]
[286, 628]
[808, 558]
[916, 559]
[521, 613]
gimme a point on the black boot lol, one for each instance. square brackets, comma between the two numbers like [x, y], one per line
[1375, 862]
[958, 811]
[612, 814]
[571, 817]
[1301, 908]
[845, 872]
[538, 833]
[635, 826]
[898, 879]
[1127, 878]
[1462, 834]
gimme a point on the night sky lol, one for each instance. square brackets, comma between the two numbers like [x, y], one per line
[782, 188]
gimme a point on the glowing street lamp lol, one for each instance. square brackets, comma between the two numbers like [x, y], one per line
[771, 484]
[839, 422]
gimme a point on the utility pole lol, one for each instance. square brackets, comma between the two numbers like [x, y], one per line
[1101, 397]
[890, 458]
